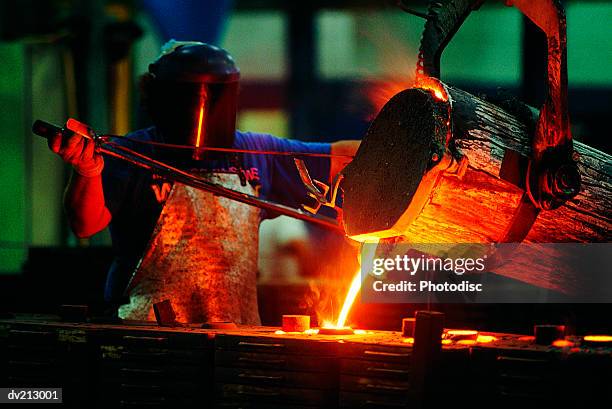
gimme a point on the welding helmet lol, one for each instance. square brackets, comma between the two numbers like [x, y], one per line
[191, 95]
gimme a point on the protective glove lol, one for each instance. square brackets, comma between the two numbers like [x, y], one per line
[78, 152]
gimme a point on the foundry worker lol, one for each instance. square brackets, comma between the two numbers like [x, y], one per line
[170, 241]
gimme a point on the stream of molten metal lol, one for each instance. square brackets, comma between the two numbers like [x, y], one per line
[367, 256]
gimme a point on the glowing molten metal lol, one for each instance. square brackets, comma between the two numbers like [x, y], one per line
[433, 85]
[380, 93]
[598, 338]
[349, 300]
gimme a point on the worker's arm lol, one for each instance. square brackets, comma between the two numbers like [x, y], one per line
[84, 196]
[348, 148]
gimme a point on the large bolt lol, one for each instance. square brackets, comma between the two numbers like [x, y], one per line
[566, 182]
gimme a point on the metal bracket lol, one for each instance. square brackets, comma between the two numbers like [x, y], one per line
[443, 21]
[318, 190]
[551, 176]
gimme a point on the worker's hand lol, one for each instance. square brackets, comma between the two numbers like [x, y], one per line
[78, 152]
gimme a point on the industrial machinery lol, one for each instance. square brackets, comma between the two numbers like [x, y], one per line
[441, 165]
[438, 165]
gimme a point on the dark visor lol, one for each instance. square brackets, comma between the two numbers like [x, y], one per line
[195, 114]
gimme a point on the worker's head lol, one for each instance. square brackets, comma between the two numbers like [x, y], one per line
[190, 93]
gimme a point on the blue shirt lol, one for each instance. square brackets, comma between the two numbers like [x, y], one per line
[135, 197]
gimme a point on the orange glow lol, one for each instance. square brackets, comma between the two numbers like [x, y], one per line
[529, 338]
[327, 292]
[200, 120]
[409, 340]
[379, 94]
[562, 343]
[462, 332]
[484, 339]
[395, 60]
[466, 337]
[336, 331]
[433, 85]
[310, 331]
[354, 289]
[598, 338]
[328, 324]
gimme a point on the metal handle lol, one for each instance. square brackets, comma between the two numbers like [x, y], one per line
[552, 174]
[443, 21]
[45, 129]
[553, 124]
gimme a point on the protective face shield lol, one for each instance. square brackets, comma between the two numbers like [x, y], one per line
[192, 96]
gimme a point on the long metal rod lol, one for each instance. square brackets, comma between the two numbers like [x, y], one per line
[177, 175]
[107, 138]
[134, 158]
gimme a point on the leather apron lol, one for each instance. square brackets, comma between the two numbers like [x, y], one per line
[202, 257]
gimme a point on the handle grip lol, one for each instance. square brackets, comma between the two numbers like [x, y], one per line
[45, 129]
